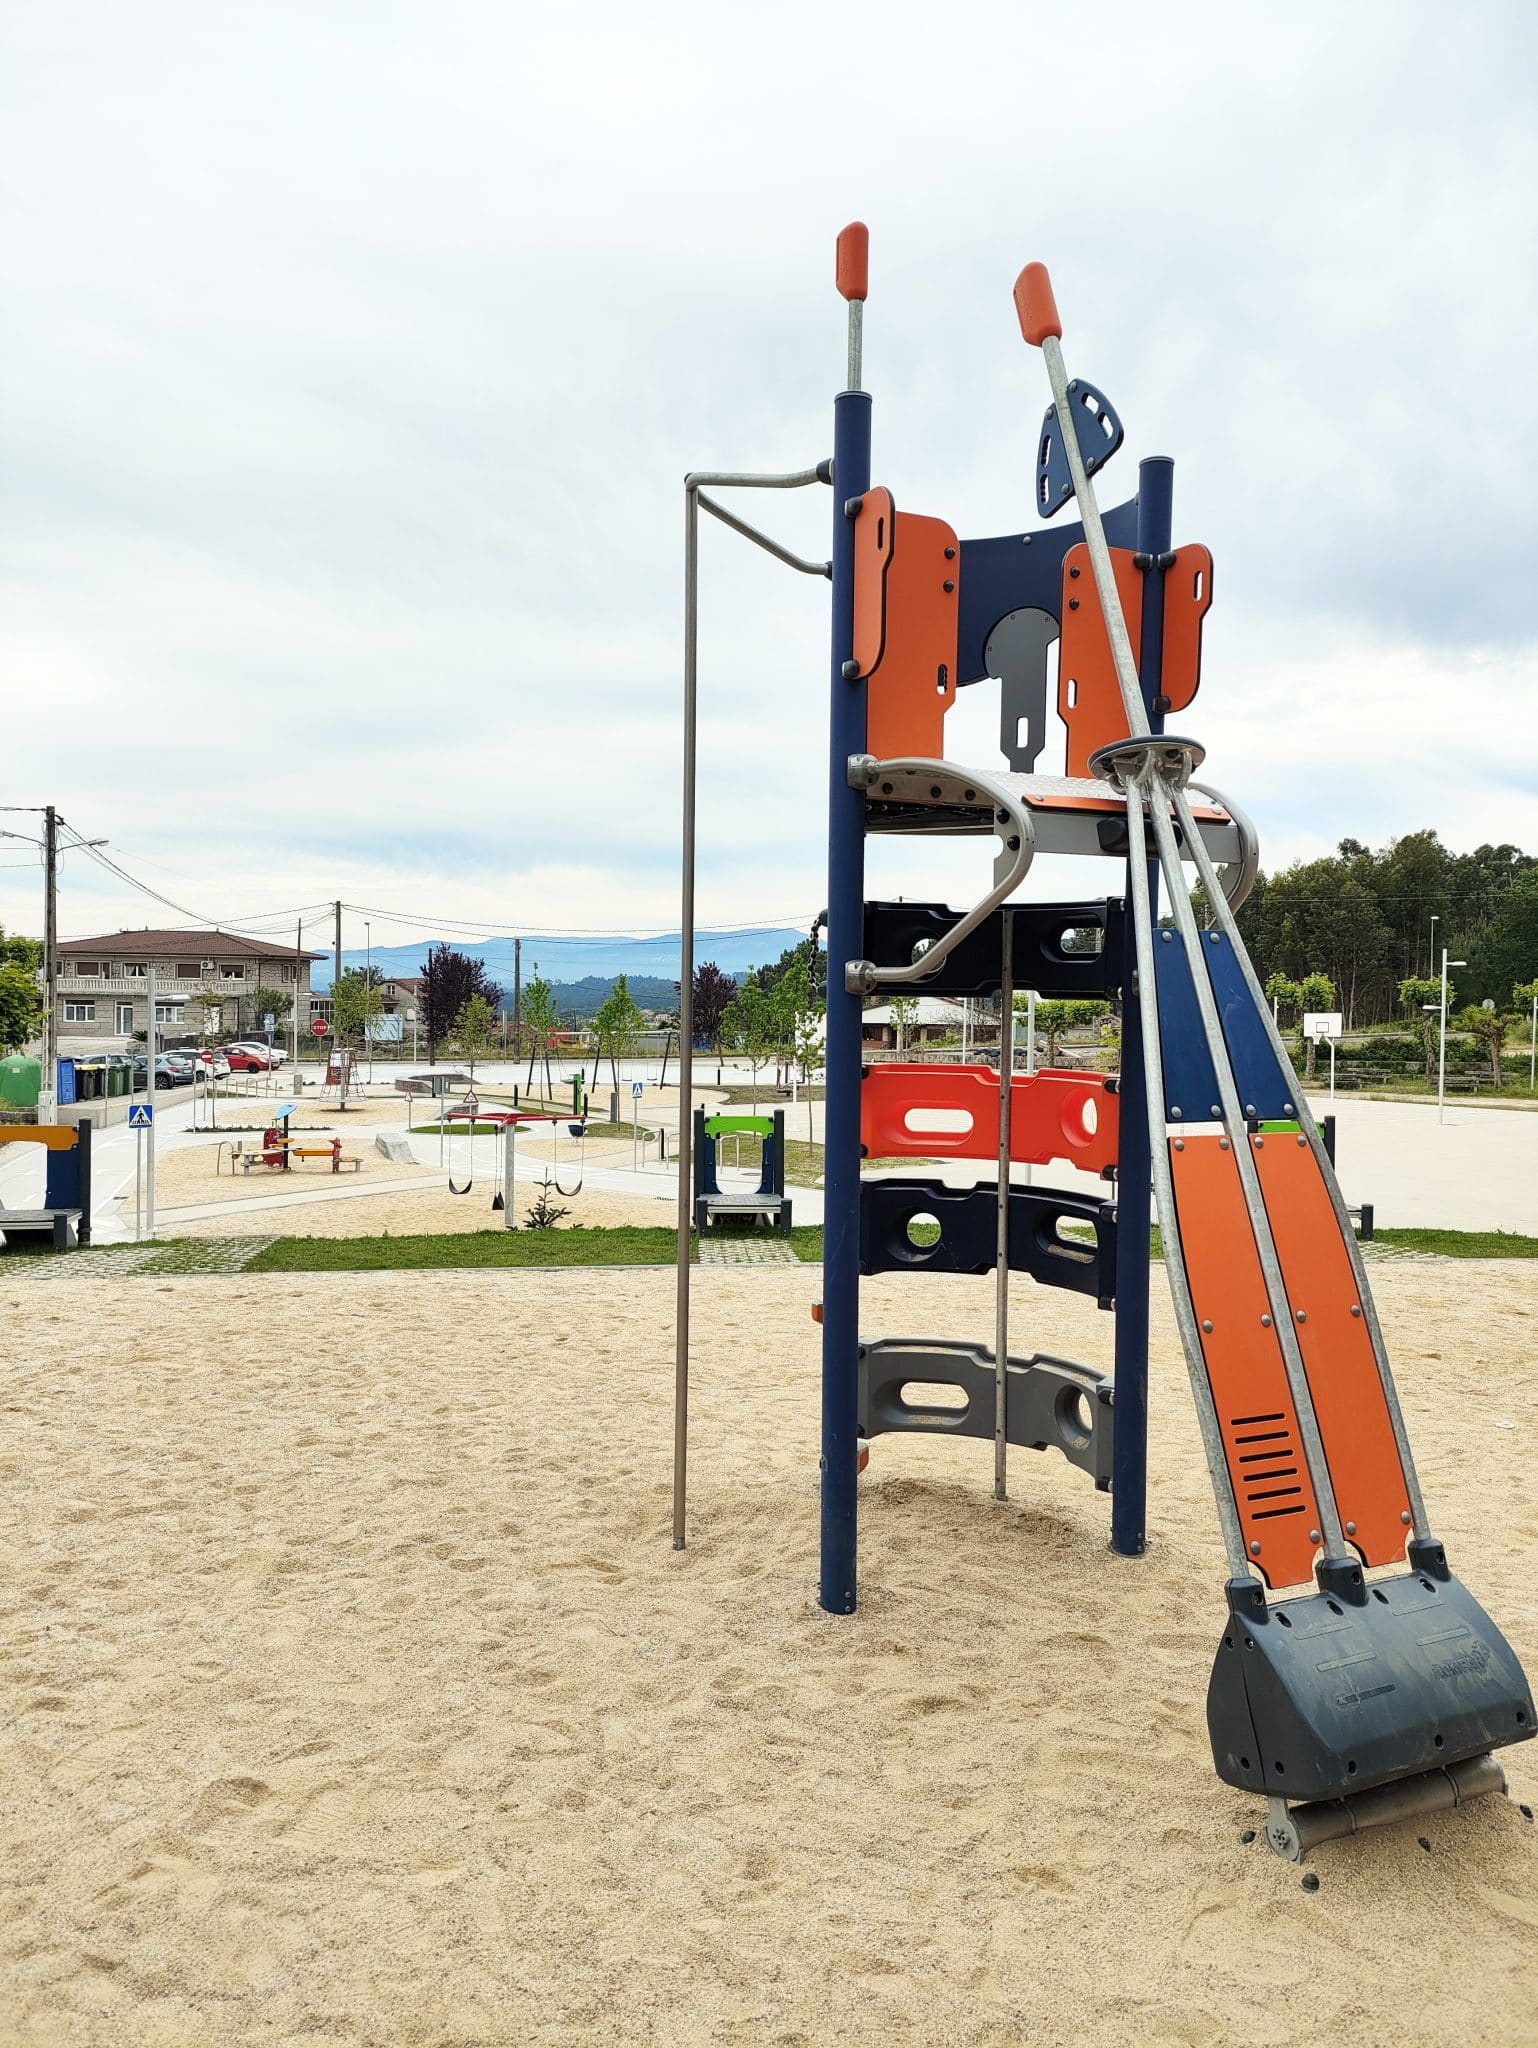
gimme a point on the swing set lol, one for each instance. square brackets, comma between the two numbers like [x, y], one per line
[509, 1121]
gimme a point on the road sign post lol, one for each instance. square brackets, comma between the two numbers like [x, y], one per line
[141, 1121]
[635, 1124]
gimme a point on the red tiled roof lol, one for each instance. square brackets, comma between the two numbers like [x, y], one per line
[182, 945]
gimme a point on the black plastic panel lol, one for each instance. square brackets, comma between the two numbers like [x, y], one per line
[894, 930]
[968, 1240]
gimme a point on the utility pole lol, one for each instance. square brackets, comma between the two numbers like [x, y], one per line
[517, 999]
[50, 953]
[298, 977]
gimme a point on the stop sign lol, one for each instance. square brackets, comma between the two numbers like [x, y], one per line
[320, 1027]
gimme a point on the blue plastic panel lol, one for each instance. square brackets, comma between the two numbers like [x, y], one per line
[1265, 1088]
[1190, 1086]
[1017, 570]
[1099, 430]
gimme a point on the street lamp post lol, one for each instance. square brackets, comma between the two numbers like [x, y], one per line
[1442, 1045]
[1431, 957]
[368, 983]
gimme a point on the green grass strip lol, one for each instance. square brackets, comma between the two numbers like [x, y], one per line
[1461, 1244]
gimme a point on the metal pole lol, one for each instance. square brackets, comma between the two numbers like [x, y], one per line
[1442, 1047]
[1532, 1056]
[517, 999]
[686, 1021]
[1134, 1168]
[152, 1040]
[838, 1591]
[509, 1162]
[1001, 1267]
[138, 1185]
[50, 955]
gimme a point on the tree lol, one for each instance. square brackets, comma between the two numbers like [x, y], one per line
[15, 951]
[754, 1027]
[475, 1030]
[1490, 1027]
[1422, 999]
[274, 1003]
[21, 1006]
[905, 1015]
[617, 1028]
[1055, 1019]
[1283, 994]
[1316, 993]
[539, 1022]
[801, 1021]
[714, 993]
[357, 998]
[449, 979]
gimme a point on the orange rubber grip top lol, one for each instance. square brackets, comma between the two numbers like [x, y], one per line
[1035, 305]
[852, 273]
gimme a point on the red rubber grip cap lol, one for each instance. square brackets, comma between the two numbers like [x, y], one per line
[852, 273]
[1035, 305]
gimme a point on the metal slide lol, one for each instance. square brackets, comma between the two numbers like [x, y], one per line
[1356, 1674]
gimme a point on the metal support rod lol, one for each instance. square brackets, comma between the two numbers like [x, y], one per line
[1139, 872]
[837, 1590]
[1228, 925]
[1233, 1116]
[790, 480]
[761, 539]
[1001, 1270]
[856, 344]
[1094, 537]
[1134, 1166]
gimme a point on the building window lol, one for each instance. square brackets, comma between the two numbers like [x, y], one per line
[187, 970]
[165, 1013]
[125, 1018]
[232, 974]
[86, 966]
[133, 970]
[79, 1013]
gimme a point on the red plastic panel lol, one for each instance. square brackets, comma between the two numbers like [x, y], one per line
[906, 605]
[1245, 1369]
[1088, 694]
[1343, 1378]
[909, 1111]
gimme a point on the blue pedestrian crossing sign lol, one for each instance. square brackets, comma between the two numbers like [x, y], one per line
[636, 1089]
[140, 1116]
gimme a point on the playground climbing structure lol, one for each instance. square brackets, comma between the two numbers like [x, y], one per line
[1356, 1680]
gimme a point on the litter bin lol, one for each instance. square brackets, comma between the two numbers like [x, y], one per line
[21, 1081]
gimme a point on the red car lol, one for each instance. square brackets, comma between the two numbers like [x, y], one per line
[244, 1059]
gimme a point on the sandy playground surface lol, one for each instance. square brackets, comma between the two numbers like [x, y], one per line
[354, 1694]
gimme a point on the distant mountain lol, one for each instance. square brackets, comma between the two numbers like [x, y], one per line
[577, 962]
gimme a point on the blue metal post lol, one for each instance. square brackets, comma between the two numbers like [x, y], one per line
[846, 941]
[1129, 1457]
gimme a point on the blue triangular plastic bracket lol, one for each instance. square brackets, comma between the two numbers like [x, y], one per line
[1100, 435]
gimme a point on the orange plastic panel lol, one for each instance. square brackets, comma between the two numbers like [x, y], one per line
[1036, 304]
[1187, 599]
[1088, 694]
[1059, 1113]
[52, 1137]
[1354, 1419]
[906, 607]
[1245, 1369]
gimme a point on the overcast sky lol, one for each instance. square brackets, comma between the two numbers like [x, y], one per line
[352, 354]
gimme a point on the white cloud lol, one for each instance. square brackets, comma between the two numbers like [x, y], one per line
[353, 358]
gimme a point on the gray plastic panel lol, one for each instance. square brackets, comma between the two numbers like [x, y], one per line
[1050, 1403]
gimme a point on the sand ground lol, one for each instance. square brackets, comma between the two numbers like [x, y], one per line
[354, 1695]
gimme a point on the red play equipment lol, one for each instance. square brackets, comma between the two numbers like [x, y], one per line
[911, 1111]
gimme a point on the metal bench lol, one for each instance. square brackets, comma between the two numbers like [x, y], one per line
[61, 1226]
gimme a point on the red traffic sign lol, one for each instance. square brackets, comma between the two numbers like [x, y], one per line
[320, 1027]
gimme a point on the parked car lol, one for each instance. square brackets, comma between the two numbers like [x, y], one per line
[168, 1074]
[274, 1055]
[246, 1059]
[213, 1061]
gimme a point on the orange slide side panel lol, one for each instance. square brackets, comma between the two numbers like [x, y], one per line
[1354, 1420]
[906, 608]
[1088, 694]
[1261, 1439]
[1059, 1113]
